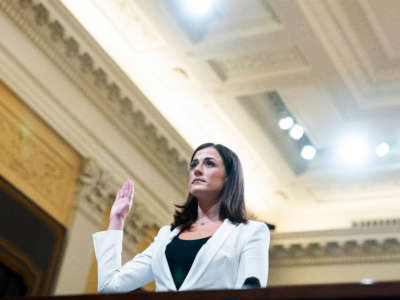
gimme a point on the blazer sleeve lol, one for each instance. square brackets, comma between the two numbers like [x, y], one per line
[114, 278]
[253, 260]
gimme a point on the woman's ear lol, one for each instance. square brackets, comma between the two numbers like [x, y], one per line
[226, 179]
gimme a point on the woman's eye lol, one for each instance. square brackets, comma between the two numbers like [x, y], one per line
[209, 163]
[192, 165]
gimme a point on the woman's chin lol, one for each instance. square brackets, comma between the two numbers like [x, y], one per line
[196, 192]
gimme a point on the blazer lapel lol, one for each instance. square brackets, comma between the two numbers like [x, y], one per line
[206, 254]
[163, 265]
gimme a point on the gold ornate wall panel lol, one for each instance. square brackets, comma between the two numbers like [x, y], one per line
[35, 159]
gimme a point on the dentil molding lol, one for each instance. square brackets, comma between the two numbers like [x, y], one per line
[373, 243]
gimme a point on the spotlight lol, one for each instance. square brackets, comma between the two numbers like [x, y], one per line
[296, 132]
[382, 149]
[353, 150]
[308, 152]
[198, 7]
[286, 123]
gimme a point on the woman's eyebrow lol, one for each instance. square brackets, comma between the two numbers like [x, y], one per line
[209, 158]
[205, 158]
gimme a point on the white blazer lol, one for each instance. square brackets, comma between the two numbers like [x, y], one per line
[232, 254]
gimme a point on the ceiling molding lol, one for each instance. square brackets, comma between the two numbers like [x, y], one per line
[357, 191]
[384, 41]
[375, 243]
[370, 223]
[348, 252]
[335, 25]
[93, 79]
[266, 63]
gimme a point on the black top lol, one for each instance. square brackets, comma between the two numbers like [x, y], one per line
[180, 256]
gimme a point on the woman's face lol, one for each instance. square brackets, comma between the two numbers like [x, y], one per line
[207, 174]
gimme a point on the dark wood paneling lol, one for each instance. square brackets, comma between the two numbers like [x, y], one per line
[30, 240]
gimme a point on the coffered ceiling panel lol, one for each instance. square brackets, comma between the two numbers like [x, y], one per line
[227, 20]
[267, 63]
[130, 24]
[383, 17]
[335, 65]
[374, 45]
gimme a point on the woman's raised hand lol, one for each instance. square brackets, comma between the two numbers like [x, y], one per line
[121, 206]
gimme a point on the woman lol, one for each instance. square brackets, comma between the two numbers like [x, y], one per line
[210, 244]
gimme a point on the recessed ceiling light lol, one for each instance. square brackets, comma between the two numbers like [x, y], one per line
[353, 149]
[198, 8]
[286, 123]
[308, 152]
[382, 149]
[296, 132]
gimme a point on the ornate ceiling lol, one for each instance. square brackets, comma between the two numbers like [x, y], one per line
[335, 65]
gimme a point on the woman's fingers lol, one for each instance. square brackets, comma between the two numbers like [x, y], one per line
[127, 190]
[123, 202]
[121, 192]
[131, 194]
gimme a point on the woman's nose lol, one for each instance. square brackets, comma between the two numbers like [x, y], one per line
[197, 170]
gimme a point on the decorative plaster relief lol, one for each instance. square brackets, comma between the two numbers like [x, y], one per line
[342, 246]
[23, 154]
[137, 227]
[350, 251]
[268, 63]
[51, 37]
[375, 223]
[35, 160]
[96, 193]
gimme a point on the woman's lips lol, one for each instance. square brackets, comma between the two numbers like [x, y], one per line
[198, 180]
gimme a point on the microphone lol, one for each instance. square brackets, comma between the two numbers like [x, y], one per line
[251, 283]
